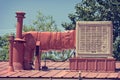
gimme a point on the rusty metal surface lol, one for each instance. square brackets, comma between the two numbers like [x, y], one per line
[57, 70]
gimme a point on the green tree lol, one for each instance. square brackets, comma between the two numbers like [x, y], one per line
[116, 46]
[98, 10]
[4, 47]
[42, 23]
[26, 28]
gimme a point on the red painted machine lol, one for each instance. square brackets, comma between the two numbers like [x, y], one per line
[25, 44]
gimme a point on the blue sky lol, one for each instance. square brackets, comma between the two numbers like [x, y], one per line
[59, 9]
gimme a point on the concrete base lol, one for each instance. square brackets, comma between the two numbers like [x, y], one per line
[93, 64]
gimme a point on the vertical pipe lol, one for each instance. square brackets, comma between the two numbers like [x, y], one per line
[20, 16]
[11, 41]
[37, 56]
[37, 59]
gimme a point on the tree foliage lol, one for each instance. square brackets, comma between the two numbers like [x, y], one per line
[42, 23]
[98, 10]
[116, 46]
[4, 47]
[26, 28]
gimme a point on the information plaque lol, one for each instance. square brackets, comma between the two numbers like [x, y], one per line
[94, 38]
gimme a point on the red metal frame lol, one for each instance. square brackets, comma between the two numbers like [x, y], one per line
[92, 64]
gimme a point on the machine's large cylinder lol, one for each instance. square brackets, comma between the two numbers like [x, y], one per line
[51, 40]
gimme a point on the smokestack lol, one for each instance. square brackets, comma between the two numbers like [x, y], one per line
[18, 48]
[19, 16]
